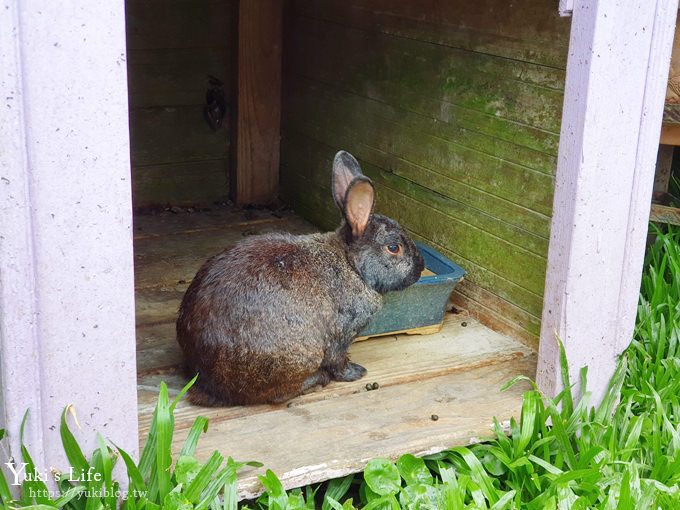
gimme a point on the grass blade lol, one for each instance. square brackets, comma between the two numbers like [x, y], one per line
[71, 447]
[164, 431]
[336, 489]
[200, 426]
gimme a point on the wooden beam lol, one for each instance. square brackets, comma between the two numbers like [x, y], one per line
[67, 330]
[665, 214]
[670, 134]
[257, 113]
[603, 186]
[664, 161]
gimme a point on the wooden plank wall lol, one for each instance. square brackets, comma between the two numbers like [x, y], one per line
[453, 109]
[173, 45]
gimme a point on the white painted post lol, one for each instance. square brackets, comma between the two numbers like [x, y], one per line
[566, 7]
[66, 267]
[617, 70]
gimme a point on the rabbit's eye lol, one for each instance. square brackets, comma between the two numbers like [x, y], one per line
[393, 248]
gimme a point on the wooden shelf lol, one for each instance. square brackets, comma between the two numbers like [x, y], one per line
[456, 373]
[665, 214]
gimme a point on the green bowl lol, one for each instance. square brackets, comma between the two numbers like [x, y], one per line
[421, 306]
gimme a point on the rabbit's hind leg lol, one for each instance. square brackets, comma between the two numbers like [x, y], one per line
[347, 371]
[320, 378]
[201, 397]
[289, 391]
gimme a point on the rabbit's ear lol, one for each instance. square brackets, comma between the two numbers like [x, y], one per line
[352, 191]
[358, 205]
[345, 170]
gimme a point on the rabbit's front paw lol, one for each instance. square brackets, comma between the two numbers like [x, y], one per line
[350, 372]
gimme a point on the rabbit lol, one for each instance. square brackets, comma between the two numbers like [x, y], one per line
[273, 316]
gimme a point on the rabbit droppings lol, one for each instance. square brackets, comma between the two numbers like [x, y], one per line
[272, 317]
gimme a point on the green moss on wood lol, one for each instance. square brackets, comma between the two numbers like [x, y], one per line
[457, 125]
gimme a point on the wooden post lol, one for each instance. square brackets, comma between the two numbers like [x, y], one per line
[257, 115]
[67, 312]
[664, 162]
[617, 69]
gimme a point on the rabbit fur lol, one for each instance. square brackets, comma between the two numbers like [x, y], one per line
[272, 316]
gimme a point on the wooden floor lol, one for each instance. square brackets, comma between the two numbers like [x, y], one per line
[455, 374]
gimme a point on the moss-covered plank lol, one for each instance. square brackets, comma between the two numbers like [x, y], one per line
[528, 31]
[318, 67]
[530, 140]
[479, 202]
[492, 316]
[388, 47]
[417, 122]
[177, 23]
[455, 209]
[174, 134]
[498, 255]
[333, 122]
[513, 313]
[478, 82]
[304, 155]
[331, 65]
[180, 184]
[496, 284]
[160, 77]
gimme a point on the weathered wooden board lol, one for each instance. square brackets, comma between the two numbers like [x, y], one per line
[664, 163]
[377, 74]
[670, 134]
[162, 77]
[490, 174]
[390, 360]
[511, 312]
[665, 214]
[330, 117]
[442, 205]
[530, 31]
[330, 438]
[164, 24]
[524, 93]
[305, 155]
[174, 134]
[172, 47]
[491, 313]
[157, 350]
[182, 254]
[158, 305]
[215, 217]
[197, 182]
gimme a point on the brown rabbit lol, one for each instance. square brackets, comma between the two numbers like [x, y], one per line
[273, 316]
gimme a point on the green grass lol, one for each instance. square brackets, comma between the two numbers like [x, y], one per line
[562, 454]
[153, 483]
